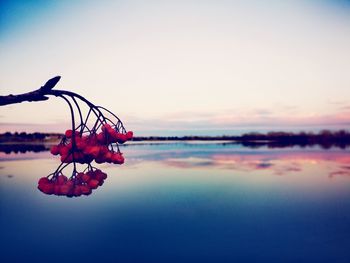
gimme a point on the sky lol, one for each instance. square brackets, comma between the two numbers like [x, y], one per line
[180, 67]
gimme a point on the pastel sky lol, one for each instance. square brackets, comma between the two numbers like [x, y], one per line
[181, 67]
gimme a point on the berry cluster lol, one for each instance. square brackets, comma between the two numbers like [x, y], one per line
[92, 147]
[94, 137]
[81, 184]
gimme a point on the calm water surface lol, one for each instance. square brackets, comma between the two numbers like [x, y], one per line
[183, 202]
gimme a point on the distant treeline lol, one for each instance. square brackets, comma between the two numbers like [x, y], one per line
[9, 137]
[324, 138]
[256, 136]
[27, 142]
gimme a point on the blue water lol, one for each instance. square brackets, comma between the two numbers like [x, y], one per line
[183, 202]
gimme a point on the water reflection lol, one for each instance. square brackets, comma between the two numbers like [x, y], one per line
[171, 202]
[301, 164]
[23, 148]
[79, 184]
[227, 156]
[339, 173]
[219, 156]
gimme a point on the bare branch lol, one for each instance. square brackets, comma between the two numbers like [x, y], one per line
[36, 95]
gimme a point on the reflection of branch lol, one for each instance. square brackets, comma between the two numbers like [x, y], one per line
[36, 95]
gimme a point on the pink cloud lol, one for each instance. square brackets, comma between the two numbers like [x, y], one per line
[260, 118]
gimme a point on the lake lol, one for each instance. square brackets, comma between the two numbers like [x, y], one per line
[183, 202]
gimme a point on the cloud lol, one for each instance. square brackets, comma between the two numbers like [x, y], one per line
[337, 102]
[345, 108]
[243, 119]
[263, 112]
[227, 120]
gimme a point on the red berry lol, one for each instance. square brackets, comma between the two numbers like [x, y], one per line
[103, 150]
[46, 188]
[117, 158]
[65, 189]
[79, 176]
[55, 150]
[91, 174]
[85, 190]
[108, 156]
[57, 189]
[92, 150]
[100, 174]
[64, 150]
[80, 144]
[77, 190]
[78, 157]
[106, 127]
[101, 137]
[67, 158]
[121, 138]
[92, 140]
[86, 178]
[100, 177]
[68, 133]
[61, 179]
[70, 183]
[104, 175]
[44, 180]
[129, 135]
[93, 183]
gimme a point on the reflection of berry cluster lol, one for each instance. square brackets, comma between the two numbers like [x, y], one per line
[81, 184]
[94, 137]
